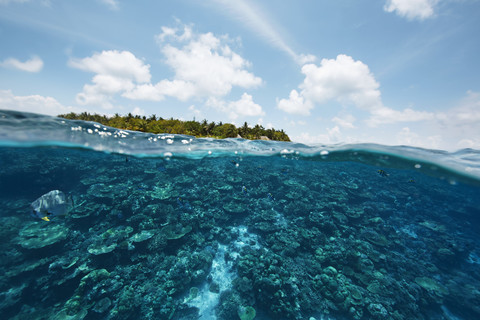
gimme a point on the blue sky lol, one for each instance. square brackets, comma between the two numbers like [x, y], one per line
[384, 71]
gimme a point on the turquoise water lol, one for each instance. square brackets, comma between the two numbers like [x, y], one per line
[172, 227]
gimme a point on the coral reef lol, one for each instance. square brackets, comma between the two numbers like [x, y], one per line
[235, 238]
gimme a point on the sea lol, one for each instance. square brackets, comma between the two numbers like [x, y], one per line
[164, 226]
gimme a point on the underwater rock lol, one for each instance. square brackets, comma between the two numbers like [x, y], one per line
[37, 235]
[375, 238]
[101, 190]
[11, 296]
[234, 207]
[222, 186]
[246, 313]
[142, 236]
[433, 226]
[63, 263]
[356, 297]
[163, 192]
[432, 285]
[62, 315]
[175, 231]
[354, 213]
[377, 311]
[77, 305]
[109, 240]
[100, 248]
[102, 305]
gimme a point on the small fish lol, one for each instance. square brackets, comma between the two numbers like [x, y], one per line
[179, 202]
[53, 203]
[184, 204]
[383, 173]
[270, 196]
[411, 181]
[244, 190]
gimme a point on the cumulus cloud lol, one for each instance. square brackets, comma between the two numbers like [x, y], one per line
[122, 64]
[33, 103]
[412, 9]
[348, 82]
[204, 65]
[295, 104]
[342, 79]
[242, 107]
[35, 64]
[116, 72]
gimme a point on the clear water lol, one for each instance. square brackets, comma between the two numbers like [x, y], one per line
[172, 227]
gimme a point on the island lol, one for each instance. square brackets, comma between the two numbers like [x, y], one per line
[195, 128]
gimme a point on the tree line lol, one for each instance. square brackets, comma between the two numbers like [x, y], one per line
[198, 129]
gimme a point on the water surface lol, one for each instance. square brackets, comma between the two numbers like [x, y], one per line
[173, 227]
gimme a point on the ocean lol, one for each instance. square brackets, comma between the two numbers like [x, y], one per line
[149, 226]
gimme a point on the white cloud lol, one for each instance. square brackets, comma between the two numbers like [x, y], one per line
[35, 64]
[342, 79]
[242, 107]
[386, 115]
[246, 107]
[138, 111]
[121, 64]
[204, 66]
[411, 9]
[295, 104]
[348, 82]
[407, 137]
[115, 73]
[5, 2]
[144, 92]
[332, 135]
[254, 17]
[345, 121]
[468, 111]
[33, 103]
[460, 125]
[112, 4]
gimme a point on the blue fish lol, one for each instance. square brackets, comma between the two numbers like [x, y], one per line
[383, 173]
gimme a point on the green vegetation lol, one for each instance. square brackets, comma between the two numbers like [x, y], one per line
[194, 128]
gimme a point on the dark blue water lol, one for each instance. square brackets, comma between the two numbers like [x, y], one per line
[171, 227]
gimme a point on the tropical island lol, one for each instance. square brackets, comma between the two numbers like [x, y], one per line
[203, 129]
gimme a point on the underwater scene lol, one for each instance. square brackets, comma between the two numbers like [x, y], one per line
[99, 223]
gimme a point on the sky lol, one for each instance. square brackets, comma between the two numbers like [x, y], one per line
[394, 72]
